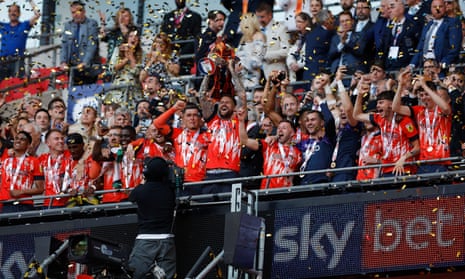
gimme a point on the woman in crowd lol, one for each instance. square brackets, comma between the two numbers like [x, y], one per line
[296, 59]
[114, 36]
[453, 9]
[250, 51]
[161, 58]
[126, 64]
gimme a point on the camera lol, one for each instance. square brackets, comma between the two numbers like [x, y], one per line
[279, 78]
[103, 123]
[145, 122]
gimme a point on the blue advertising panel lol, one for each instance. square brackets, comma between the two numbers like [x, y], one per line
[317, 240]
[15, 253]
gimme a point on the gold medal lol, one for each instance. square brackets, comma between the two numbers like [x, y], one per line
[429, 149]
[333, 165]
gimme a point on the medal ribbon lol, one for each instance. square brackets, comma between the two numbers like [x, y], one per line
[53, 173]
[387, 139]
[308, 153]
[187, 149]
[285, 158]
[336, 149]
[127, 168]
[430, 126]
[17, 169]
[66, 178]
[366, 140]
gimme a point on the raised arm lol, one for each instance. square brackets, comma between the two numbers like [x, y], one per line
[358, 113]
[269, 102]
[345, 99]
[205, 102]
[397, 101]
[36, 15]
[438, 100]
[245, 140]
[165, 117]
[239, 88]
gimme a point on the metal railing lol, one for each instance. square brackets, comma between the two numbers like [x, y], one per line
[457, 174]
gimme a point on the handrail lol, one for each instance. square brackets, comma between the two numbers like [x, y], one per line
[241, 179]
[334, 185]
[206, 199]
[30, 81]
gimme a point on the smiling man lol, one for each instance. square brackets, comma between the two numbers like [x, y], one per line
[53, 166]
[316, 150]
[14, 35]
[280, 157]
[224, 150]
[399, 134]
[190, 143]
[21, 175]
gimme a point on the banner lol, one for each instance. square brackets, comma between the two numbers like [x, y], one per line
[367, 236]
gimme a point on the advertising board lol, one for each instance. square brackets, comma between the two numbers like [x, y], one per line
[368, 236]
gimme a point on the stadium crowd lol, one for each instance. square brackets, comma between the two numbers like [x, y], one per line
[314, 92]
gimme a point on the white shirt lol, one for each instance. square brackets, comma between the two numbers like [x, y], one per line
[360, 25]
[431, 37]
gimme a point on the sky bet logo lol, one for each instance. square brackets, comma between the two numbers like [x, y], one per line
[367, 236]
[417, 232]
[313, 241]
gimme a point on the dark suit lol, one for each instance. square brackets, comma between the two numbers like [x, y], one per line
[419, 17]
[377, 31]
[368, 36]
[406, 40]
[84, 50]
[87, 47]
[351, 53]
[447, 42]
[189, 28]
[317, 44]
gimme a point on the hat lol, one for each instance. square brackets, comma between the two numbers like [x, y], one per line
[155, 169]
[386, 95]
[74, 138]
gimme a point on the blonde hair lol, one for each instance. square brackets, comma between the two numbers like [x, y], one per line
[249, 26]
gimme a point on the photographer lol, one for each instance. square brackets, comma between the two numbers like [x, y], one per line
[143, 118]
[155, 201]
